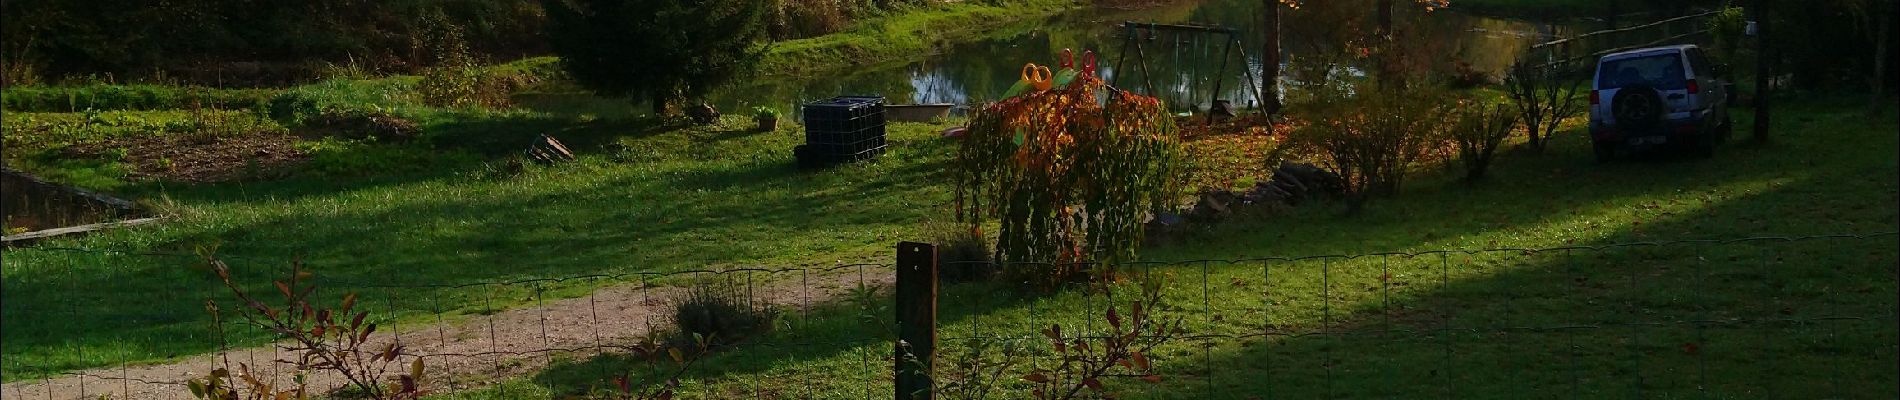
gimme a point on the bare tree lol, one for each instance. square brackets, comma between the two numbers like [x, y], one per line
[1544, 98]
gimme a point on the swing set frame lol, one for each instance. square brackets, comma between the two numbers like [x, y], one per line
[1134, 32]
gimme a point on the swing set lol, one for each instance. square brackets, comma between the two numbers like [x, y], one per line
[1184, 42]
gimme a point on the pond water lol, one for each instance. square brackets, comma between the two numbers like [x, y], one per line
[31, 204]
[1185, 67]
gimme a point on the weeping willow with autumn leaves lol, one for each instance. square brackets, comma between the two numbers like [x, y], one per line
[1071, 173]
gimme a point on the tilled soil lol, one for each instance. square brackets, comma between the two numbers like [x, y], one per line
[201, 159]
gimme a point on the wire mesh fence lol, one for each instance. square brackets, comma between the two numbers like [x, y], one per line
[1765, 317]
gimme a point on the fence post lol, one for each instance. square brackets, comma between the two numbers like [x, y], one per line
[916, 320]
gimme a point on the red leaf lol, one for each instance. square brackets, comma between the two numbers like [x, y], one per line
[1151, 378]
[1114, 320]
[1092, 383]
[1054, 332]
[282, 288]
[1036, 377]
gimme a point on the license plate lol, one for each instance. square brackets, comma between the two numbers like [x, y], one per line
[1649, 140]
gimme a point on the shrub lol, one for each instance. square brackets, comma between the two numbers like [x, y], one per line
[456, 80]
[1071, 180]
[660, 49]
[1372, 138]
[333, 340]
[721, 313]
[1083, 361]
[1479, 129]
[1544, 97]
[963, 253]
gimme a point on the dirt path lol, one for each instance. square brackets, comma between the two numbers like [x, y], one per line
[463, 355]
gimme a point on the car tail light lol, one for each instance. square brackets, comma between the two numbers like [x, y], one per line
[1694, 88]
[1595, 97]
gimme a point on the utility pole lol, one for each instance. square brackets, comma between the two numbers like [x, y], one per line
[1764, 67]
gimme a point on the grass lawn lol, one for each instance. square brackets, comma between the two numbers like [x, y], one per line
[647, 196]
[1738, 320]
[641, 198]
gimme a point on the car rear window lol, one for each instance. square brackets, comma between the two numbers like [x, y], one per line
[1664, 71]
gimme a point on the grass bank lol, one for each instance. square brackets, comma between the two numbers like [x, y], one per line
[904, 35]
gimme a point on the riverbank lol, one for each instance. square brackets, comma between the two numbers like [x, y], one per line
[905, 35]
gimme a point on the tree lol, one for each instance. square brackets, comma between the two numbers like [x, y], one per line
[1544, 98]
[665, 50]
[1270, 58]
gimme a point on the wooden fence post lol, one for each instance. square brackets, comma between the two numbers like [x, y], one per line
[916, 320]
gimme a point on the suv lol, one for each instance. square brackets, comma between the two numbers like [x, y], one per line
[1662, 96]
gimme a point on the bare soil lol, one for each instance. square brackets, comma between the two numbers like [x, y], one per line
[202, 159]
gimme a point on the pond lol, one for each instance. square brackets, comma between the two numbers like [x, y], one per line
[1185, 66]
[31, 204]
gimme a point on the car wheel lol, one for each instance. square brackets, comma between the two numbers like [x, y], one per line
[1637, 108]
[1605, 150]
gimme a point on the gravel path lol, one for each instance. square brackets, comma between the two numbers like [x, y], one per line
[468, 354]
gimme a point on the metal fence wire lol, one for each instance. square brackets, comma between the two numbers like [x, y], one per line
[1759, 317]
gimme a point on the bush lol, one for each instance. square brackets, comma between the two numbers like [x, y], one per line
[1544, 97]
[1373, 138]
[722, 313]
[456, 80]
[1479, 130]
[963, 253]
[1071, 181]
[663, 50]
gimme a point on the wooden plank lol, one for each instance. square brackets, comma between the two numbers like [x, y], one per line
[47, 233]
[916, 320]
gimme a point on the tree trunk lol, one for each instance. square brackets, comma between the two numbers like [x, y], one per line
[660, 103]
[1882, 42]
[1270, 59]
[1764, 62]
[1385, 38]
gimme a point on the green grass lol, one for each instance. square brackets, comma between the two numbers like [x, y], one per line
[641, 198]
[905, 35]
[648, 196]
[1551, 324]
[106, 97]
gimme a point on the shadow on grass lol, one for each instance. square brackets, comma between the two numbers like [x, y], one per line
[1764, 319]
[590, 217]
[1767, 319]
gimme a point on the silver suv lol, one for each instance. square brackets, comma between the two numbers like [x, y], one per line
[1662, 96]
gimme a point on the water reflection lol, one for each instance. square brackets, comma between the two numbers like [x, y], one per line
[1185, 67]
